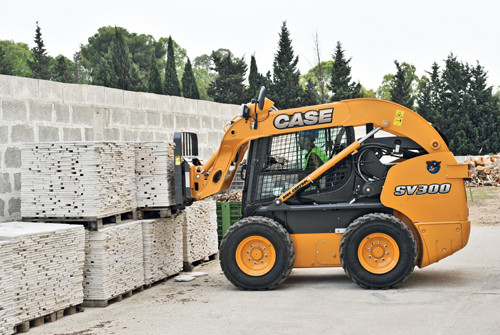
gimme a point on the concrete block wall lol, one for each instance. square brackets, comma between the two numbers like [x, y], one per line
[34, 110]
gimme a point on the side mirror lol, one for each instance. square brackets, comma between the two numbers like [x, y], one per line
[262, 97]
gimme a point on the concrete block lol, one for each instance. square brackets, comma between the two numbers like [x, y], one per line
[146, 136]
[164, 103]
[17, 181]
[150, 101]
[50, 90]
[137, 119]
[154, 119]
[14, 110]
[163, 137]
[40, 111]
[177, 104]
[13, 157]
[22, 133]
[128, 135]
[132, 100]
[5, 183]
[101, 117]
[82, 115]
[73, 93]
[213, 138]
[89, 134]
[227, 111]
[48, 134]
[112, 134]
[119, 116]
[62, 113]
[14, 205]
[206, 123]
[113, 97]
[72, 134]
[181, 122]
[218, 123]
[25, 88]
[202, 137]
[207, 108]
[194, 122]
[190, 107]
[2, 208]
[6, 87]
[167, 121]
[4, 134]
[206, 153]
[94, 95]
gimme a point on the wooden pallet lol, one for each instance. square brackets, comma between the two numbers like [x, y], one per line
[90, 223]
[189, 266]
[25, 326]
[154, 212]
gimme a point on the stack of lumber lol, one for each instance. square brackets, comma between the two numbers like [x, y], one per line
[77, 179]
[7, 321]
[154, 168]
[113, 261]
[45, 270]
[229, 196]
[199, 226]
[162, 241]
[485, 171]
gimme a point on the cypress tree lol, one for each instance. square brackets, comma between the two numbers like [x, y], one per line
[255, 80]
[121, 61]
[40, 66]
[172, 86]
[286, 91]
[228, 84]
[5, 63]
[63, 70]
[311, 96]
[401, 87]
[102, 73]
[429, 96]
[189, 87]
[340, 80]
[154, 81]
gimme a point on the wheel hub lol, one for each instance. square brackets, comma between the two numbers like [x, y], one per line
[255, 255]
[378, 253]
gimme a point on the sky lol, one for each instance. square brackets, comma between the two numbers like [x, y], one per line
[373, 33]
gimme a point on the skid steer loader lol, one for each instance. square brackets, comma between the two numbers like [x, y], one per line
[314, 196]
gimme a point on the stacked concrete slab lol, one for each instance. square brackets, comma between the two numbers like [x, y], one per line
[113, 261]
[154, 168]
[162, 241]
[7, 321]
[77, 179]
[45, 273]
[199, 225]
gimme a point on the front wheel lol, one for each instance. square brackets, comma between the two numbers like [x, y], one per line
[378, 251]
[256, 253]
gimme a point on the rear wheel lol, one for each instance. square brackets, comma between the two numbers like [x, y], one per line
[378, 251]
[256, 253]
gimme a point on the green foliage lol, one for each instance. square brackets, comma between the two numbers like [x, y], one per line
[5, 63]
[154, 79]
[180, 56]
[340, 80]
[255, 80]
[462, 106]
[230, 74]
[310, 96]
[367, 93]
[286, 91]
[121, 62]
[384, 90]
[189, 87]
[18, 55]
[172, 86]
[400, 88]
[102, 72]
[63, 70]
[40, 66]
[313, 74]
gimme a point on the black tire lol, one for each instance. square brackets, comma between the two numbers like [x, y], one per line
[383, 225]
[282, 249]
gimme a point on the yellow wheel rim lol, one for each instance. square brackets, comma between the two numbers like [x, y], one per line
[378, 253]
[255, 256]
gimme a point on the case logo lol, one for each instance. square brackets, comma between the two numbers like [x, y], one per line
[422, 189]
[299, 119]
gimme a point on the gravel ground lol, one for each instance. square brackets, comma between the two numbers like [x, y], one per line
[460, 295]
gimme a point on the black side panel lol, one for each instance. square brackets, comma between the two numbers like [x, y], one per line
[186, 144]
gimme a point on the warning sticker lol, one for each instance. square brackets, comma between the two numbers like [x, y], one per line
[398, 118]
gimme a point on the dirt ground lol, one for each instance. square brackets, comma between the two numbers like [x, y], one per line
[459, 295]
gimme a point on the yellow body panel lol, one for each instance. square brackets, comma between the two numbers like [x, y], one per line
[316, 250]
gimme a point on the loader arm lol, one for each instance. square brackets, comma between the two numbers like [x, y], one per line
[218, 172]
